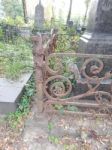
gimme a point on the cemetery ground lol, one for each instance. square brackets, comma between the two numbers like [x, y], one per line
[27, 129]
[76, 80]
[39, 131]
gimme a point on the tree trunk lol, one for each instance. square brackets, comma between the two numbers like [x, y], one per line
[53, 8]
[69, 13]
[25, 11]
[87, 6]
[86, 14]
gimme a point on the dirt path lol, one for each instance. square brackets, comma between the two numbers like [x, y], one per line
[58, 132]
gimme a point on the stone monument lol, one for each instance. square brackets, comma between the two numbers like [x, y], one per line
[98, 37]
[39, 16]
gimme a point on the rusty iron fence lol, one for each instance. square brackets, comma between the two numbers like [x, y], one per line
[9, 33]
[70, 82]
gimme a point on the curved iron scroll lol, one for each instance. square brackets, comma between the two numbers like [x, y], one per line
[59, 87]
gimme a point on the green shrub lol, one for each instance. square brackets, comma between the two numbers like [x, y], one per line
[16, 119]
[17, 58]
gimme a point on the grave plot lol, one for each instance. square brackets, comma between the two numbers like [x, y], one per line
[15, 66]
[10, 93]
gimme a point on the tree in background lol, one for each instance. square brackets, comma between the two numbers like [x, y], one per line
[53, 14]
[25, 11]
[69, 13]
[87, 2]
[12, 8]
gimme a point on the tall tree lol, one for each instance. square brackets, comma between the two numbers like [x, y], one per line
[12, 8]
[25, 11]
[87, 6]
[53, 15]
[69, 12]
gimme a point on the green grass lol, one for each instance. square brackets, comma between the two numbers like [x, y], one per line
[67, 42]
[16, 58]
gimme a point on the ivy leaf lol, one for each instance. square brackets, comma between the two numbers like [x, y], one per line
[50, 126]
[72, 108]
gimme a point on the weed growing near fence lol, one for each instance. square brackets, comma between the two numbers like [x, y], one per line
[15, 120]
[16, 58]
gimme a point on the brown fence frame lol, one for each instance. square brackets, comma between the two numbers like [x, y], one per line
[47, 96]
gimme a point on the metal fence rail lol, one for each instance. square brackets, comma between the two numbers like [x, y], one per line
[92, 91]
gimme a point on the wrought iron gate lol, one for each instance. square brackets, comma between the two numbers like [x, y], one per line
[74, 80]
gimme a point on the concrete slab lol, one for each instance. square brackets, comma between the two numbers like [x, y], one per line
[10, 92]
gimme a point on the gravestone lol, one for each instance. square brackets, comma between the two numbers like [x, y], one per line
[11, 93]
[39, 16]
[98, 37]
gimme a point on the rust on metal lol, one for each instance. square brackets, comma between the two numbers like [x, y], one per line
[88, 71]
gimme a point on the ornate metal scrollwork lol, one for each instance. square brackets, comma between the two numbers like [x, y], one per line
[58, 66]
[103, 97]
[95, 67]
[88, 74]
[57, 87]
